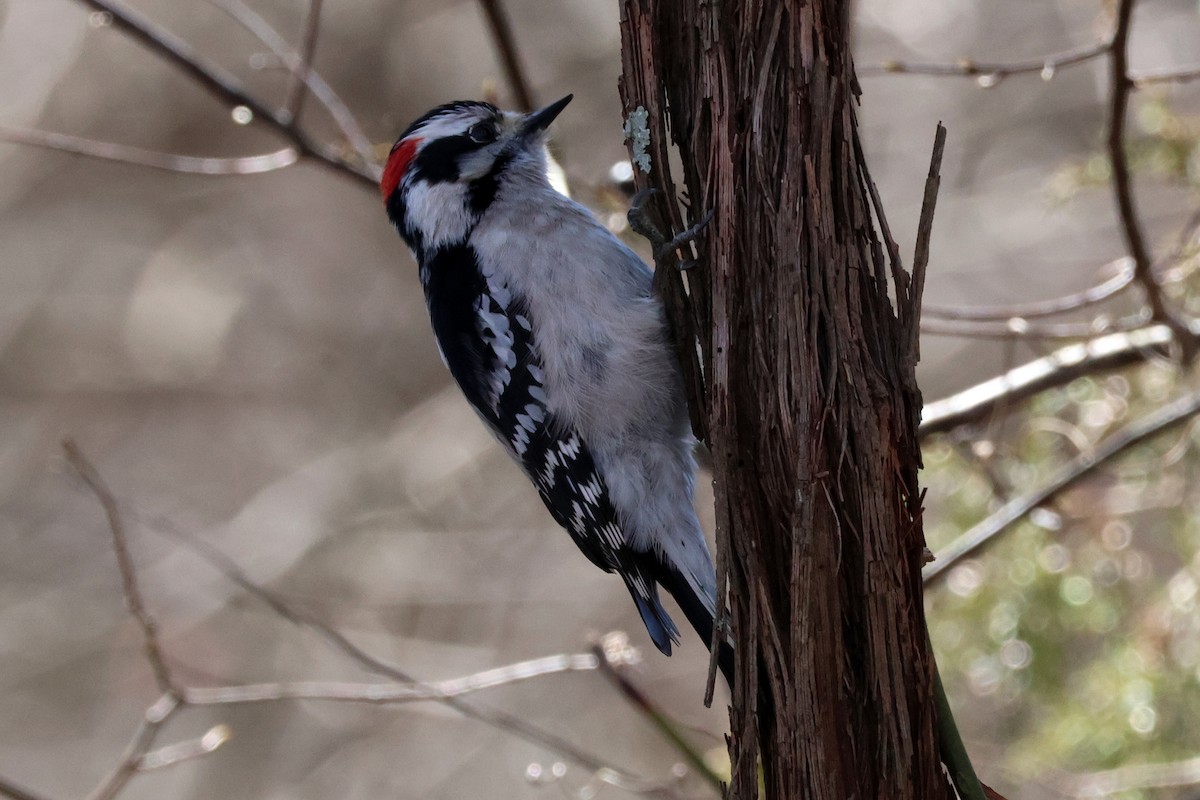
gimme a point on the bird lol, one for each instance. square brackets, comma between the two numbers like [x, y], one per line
[549, 325]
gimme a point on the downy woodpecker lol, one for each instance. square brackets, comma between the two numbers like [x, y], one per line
[549, 326]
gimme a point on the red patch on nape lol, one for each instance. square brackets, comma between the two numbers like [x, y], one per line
[397, 164]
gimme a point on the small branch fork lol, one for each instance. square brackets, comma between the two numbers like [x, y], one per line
[293, 61]
[305, 80]
[495, 718]
[129, 581]
[230, 91]
[1122, 82]
[141, 755]
[1143, 264]
[226, 87]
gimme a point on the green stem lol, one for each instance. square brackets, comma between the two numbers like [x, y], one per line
[954, 752]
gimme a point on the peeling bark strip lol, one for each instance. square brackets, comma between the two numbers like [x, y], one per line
[806, 392]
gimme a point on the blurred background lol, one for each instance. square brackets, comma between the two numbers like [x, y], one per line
[248, 362]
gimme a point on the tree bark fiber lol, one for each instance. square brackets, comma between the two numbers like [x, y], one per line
[803, 386]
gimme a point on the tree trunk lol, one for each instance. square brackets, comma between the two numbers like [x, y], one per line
[804, 390]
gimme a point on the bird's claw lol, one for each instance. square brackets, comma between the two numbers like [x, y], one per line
[687, 237]
[640, 221]
[642, 224]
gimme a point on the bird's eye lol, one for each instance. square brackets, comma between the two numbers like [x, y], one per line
[482, 132]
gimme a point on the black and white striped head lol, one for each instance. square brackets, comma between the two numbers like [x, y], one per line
[446, 169]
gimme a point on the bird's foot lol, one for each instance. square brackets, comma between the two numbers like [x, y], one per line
[687, 237]
[643, 224]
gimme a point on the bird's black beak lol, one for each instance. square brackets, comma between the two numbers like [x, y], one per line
[540, 120]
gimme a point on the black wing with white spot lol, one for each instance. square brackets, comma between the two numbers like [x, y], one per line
[561, 467]
[485, 335]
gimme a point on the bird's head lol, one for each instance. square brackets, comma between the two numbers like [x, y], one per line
[447, 168]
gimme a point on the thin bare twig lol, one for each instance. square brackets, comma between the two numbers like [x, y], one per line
[153, 720]
[1158, 421]
[1046, 66]
[187, 750]
[924, 232]
[502, 35]
[1186, 239]
[290, 60]
[158, 714]
[660, 720]
[172, 162]
[390, 693]
[1041, 308]
[1131, 778]
[1174, 75]
[227, 88]
[312, 28]
[129, 580]
[1131, 227]
[1057, 369]
[1020, 328]
[14, 792]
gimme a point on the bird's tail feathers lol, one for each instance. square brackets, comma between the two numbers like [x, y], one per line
[658, 622]
[694, 607]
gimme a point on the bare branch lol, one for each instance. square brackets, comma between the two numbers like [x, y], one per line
[924, 231]
[1186, 238]
[14, 792]
[1041, 308]
[391, 693]
[312, 28]
[139, 756]
[1143, 264]
[187, 750]
[1176, 75]
[1158, 421]
[227, 88]
[155, 717]
[1131, 778]
[661, 721]
[129, 581]
[502, 35]
[1020, 328]
[1057, 369]
[1046, 66]
[324, 94]
[496, 718]
[172, 162]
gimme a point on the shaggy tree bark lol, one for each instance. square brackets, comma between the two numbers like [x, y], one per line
[804, 389]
